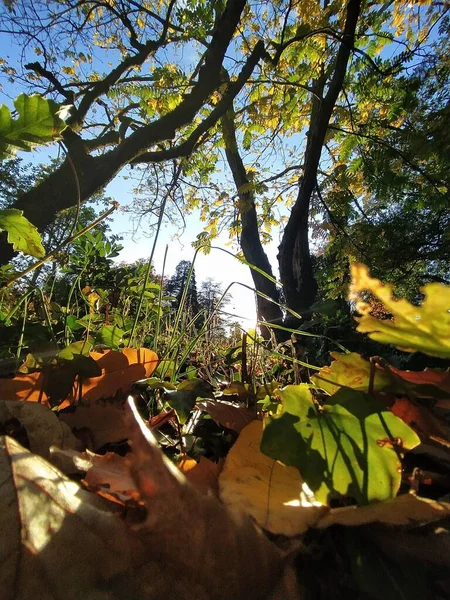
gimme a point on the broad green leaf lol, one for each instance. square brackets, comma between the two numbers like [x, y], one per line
[22, 234]
[38, 123]
[351, 371]
[349, 447]
[109, 335]
[424, 328]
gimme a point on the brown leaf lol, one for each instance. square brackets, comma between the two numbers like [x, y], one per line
[420, 418]
[227, 414]
[60, 543]
[407, 509]
[42, 426]
[203, 475]
[426, 381]
[56, 542]
[105, 422]
[119, 371]
[224, 558]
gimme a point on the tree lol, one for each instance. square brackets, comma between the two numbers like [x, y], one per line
[176, 286]
[307, 102]
[136, 131]
[212, 301]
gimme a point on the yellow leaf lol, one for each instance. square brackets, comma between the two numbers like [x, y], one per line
[272, 493]
[424, 328]
[407, 509]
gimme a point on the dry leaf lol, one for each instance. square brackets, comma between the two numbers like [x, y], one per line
[420, 418]
[42, 426]
[106, 474]
[227, 414]
[203, 475]
[56, 543]
[224, 557]
[119, 371]
[272, 493]
[103, 422]
[59, 544]
[407, 509]
[427, 380]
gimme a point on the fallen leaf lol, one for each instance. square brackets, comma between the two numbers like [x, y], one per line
[56, 542]
[224, 557]
[99, 423]
[24, 387]
[349, 447]
[424, 328]
[420, 418]
[59, 542]
[425, 384]
[352, 371]
[227, 414]
[119, 370]
[204, 475]
[270, 492]
[42, 426]
[407, 509]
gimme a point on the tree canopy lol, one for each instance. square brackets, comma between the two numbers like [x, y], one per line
[328, 117]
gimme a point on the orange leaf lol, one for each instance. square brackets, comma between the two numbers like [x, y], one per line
[203, 474]
[227, 414]
[434, 379]
[119, 371]
[419, 418]
[98, 423]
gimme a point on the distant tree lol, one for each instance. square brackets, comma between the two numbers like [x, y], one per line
[213, 305]
[177, 283]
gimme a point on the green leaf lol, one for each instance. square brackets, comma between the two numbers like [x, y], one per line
[109, 335]
[247, 141]
[182, 400]
[351, 371]
[424, 328]
[22, 234]
[349, 447]
[38, 123]
[74, 349]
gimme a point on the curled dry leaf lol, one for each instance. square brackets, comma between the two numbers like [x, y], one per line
[42, 426]
[407, 509]
[119, 371]
[272, 493]
[227, 414]
[108, 474]
[58, 542]
[223, 557]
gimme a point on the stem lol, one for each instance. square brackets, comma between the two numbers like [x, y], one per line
[158, 318]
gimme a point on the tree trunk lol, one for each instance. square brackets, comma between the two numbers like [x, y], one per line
[250, 241]
[296, 268]
[60, 191]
